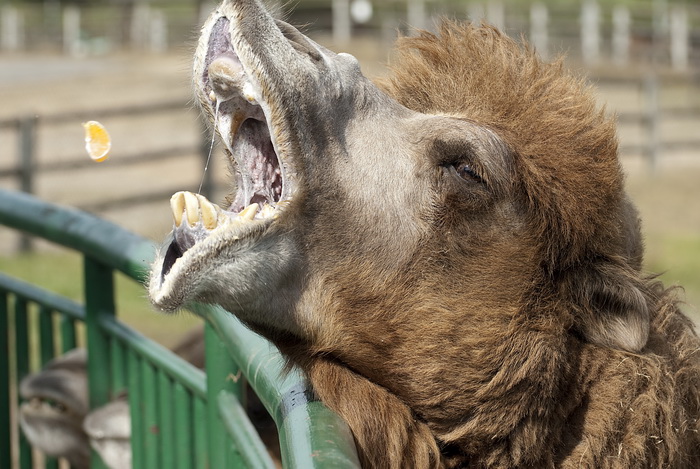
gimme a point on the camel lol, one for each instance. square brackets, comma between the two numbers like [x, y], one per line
[56, 418]
[55, 404]
[448, 254]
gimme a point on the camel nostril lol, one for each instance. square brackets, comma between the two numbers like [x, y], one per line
[219, 44]
[226, 76]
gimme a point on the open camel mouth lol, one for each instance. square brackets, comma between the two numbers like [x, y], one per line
[233, 97]
[242, 119]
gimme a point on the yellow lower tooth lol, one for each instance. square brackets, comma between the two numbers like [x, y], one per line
[208, 212]
[192, 207]
[177, 205]
[249, 212]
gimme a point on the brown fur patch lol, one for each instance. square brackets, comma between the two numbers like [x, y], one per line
[544, 381]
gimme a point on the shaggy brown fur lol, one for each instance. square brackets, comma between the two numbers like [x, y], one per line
[563, 377]
[452, 261]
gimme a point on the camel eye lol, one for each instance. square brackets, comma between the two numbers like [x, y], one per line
[466, 172]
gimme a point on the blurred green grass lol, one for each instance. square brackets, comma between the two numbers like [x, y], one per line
[667, 201]
[677, 260]
[62, 273]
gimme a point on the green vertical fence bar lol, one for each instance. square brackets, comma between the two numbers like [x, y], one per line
[165, 409]
[46, 336]
[5, 356]
[68, 335]
[199, 426]
[22, 360]
[222, 375]
[46, 346]
[151, 426]
[48, 351]
[117, 365]
[252, 450]
[136, 410]
[99, 301]
[183, 427]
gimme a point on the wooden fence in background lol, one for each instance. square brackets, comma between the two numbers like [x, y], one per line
[23, 169]
[649, 118]
[651, 30]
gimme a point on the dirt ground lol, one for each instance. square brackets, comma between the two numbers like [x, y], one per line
[48, 84]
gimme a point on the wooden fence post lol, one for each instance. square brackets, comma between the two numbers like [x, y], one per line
[71, 30]
[416, 14]
[140, 23]
[679, 37]
[621, 35]
[539, 35]
[495, 14]
[158, 32]
[27, 149]
[590, 31]
[11, 29]
[341, 22]
[653, 119]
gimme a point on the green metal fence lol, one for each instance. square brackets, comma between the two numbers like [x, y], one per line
[181, 417]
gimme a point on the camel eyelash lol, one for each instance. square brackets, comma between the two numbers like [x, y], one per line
[458, 159]
[467, 171]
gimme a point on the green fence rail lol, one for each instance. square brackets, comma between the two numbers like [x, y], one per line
[181, 417]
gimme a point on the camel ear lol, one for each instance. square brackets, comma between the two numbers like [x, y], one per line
[609, 304]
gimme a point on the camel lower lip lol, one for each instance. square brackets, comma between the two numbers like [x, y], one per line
[178, 267]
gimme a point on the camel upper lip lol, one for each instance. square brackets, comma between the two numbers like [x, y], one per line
[242, 119]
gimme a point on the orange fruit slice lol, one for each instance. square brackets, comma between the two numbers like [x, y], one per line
[97, 141]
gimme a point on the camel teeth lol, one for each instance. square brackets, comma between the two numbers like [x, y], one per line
[177, 205]
[191, 208]
[267, 211]
[248, 213]
[208, 212]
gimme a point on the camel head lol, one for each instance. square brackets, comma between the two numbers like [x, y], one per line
[55, 404]
[367, 217]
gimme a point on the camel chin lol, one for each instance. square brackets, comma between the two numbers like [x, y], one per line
[109, 430]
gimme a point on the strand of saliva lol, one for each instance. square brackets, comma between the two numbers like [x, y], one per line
[211, 146]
